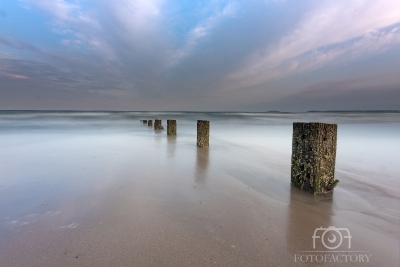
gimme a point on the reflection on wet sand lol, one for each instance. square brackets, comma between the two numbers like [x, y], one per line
[93, 192]
[202, 158]
[306, 212]
[171, 145]
[158, 137]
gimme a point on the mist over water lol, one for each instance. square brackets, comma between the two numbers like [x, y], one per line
[367, 150]
[367, 142]
[49, 160]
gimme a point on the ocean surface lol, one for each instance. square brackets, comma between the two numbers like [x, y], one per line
[49, 159]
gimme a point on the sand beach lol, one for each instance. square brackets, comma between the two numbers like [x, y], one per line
[104, 189]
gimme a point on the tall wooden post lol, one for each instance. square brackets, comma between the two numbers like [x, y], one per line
[314, 157]
[171, 127]
[203, 133]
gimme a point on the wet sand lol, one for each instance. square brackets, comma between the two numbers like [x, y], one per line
[134, 197]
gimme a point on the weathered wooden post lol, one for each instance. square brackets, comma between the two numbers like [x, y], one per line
[144, 121]
[171, 127]
[149, 123]
[157, 125]
[203, 133]
[314, 156]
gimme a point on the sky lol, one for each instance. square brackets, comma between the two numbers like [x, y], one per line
[209, 55]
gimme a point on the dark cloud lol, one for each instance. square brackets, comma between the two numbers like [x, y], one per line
[343, 95]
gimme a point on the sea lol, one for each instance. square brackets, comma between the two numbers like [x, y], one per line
[48, 157]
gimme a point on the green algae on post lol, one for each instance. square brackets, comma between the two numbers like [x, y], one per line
[314, 157]
[171, 127]
[203, 133]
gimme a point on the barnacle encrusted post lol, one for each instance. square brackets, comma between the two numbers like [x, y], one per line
[171, 127]
[314, 156]
[149, 123]
[157, 125]
[203, 133]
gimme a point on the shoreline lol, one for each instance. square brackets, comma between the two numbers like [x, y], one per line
[131, 196]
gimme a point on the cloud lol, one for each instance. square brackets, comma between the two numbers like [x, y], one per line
[135, 30]
[62, 11]
[138, 14]
[122, 36]
[330, 30]
[203, 29]
[11, 75]
[18, 44]
[77, 23]
[358, 94]
[216, 54]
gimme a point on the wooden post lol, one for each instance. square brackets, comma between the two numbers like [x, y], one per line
[149, 123]
[203, 133]
[314, 157]
[157, 125]
[171, 127]
[144, 121]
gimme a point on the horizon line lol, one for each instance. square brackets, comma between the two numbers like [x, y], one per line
[237, 111]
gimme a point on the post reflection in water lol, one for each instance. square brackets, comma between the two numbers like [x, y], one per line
[306, 213]
[158, 138]
[171, 145]
[202, 158]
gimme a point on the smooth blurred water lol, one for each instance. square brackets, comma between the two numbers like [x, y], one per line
[73, 170]
[48, 155]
